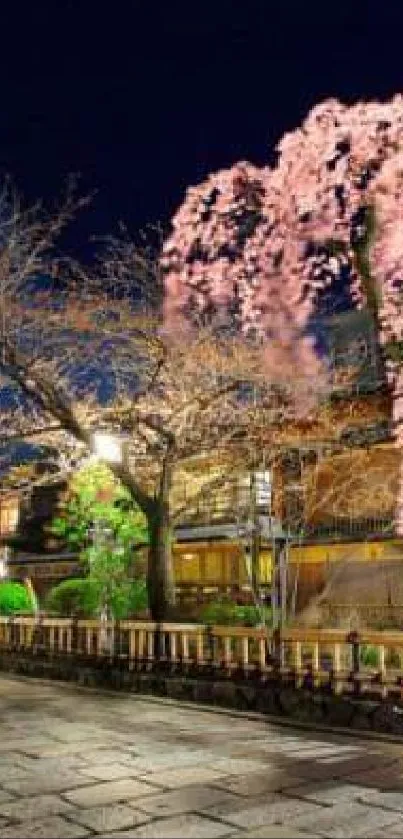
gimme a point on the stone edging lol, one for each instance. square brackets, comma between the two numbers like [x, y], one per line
[284, 703]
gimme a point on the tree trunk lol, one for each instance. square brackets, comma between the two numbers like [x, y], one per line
[160, 576]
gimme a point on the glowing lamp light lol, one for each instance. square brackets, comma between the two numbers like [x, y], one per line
[108, 448]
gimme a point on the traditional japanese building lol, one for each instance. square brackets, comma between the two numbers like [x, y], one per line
[327, 499]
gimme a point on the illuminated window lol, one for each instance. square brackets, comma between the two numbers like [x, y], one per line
[9, 514]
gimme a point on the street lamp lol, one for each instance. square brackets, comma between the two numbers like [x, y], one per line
[279, 539]
[107, 447]
[4, 562]
[110, 449]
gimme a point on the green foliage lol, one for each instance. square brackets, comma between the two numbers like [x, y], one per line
[228, 613]
[369, 656]
[14, 597]
[129, 599]
[78, 597]
[81, 597]
[101, 522]
[97, 497]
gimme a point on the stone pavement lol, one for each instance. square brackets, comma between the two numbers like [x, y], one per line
[79, 763]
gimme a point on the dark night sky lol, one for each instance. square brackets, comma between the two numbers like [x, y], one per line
[145, 98]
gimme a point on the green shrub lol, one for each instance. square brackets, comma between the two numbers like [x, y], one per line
[369, 656]
[14, 597]
[129, 599]
[82, 597]
[228, 613]
[78, 597]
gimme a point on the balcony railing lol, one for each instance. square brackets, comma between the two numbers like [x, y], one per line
[337, 529]
[345, 529]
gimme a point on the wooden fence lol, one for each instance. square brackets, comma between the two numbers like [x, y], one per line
[371, 662]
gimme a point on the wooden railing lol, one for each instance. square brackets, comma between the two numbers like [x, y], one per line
[371, 662]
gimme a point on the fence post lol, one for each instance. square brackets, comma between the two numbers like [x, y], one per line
[74, 636]
[11, 632]
[353, 639]
[158, 648]
[116, 645]
[37, 640]
[337, 669]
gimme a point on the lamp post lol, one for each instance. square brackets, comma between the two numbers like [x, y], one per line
[279, 587]
[109, 449]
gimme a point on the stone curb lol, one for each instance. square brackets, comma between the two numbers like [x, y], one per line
[206, 707]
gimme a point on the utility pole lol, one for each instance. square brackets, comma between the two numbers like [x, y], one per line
[255, 534]
[279, 592]
[100, 535]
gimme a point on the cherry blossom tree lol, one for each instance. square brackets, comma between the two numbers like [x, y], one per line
[259, 244]
[95, 349]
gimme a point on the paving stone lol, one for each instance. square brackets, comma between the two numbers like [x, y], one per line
[43, 765]
[107, 771]
[73, 733]
[326, 793]
[388, 799]
[338, 758]
[272, 780]
[186, 799]
[170, 760]
[12, 773]
[277, 832]
[44, 783]
[108, 792]
[346, 820]
[315, 752]
[34, 807]
[110, 817]
[269, 809]
[43, 829]
[27, 745]
[389, 778]
[103, 755]
[58, 750]
[238, 767]
[394, 831]
[173, 778]
[345, 770]
[8, 759]
[291, 744]
[191, 826]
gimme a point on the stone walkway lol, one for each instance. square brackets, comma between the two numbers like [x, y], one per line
[78, 763]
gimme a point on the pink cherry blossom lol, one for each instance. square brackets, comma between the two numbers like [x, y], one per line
[261, 236]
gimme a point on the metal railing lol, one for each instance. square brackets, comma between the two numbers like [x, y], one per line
[341, 529]
[326, 659]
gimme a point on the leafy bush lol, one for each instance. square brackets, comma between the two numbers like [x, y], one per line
[128, 599]
[228, 613]
[369, 656]
[14, 597]
[78, 597]
[81, 598]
